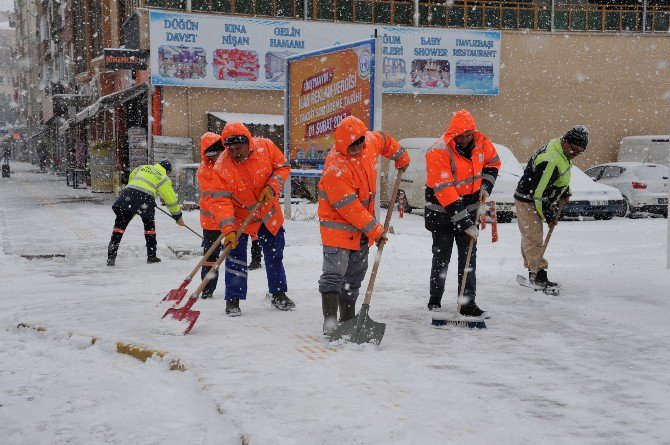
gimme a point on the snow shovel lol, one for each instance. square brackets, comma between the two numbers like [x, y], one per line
[179, 293]
[458, 319]
[185, 313]
[168, 214]
[361, 328]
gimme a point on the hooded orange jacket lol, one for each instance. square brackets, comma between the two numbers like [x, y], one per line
[453, 182]
[349, 184]
[205, 180]
[237, 186]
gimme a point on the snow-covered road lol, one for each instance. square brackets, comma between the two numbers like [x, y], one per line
[586, 367]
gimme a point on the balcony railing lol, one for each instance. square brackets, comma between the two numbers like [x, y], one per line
[477, 14]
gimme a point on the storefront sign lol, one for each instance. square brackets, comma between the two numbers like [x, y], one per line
[126, 59]
[323, 88]
[218, 51]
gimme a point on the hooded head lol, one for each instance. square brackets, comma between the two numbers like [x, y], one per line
[236, 138]
[461, 128]
[210, 145]
[350, 130]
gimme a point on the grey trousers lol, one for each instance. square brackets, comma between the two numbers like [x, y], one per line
[343, 270]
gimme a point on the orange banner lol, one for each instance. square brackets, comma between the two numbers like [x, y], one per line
[323, 88]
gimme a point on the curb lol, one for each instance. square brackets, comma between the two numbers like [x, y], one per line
[141, 353]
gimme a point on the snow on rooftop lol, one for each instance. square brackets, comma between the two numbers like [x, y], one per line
[249, 118]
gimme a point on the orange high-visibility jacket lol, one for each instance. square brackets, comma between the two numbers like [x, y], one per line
[453, 182]
[349, 184]
[205, 180]
[237, 186]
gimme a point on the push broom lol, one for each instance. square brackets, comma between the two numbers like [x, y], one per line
[458, 319]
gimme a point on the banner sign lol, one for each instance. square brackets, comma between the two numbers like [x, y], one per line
[322, 88]
[218, 51]
[126, 59]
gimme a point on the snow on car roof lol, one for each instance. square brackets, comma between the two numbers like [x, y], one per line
[583, 187]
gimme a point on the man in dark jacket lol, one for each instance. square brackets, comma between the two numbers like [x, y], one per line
[545, 181]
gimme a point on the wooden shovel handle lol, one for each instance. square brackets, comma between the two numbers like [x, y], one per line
[380, 248]
[228, 248]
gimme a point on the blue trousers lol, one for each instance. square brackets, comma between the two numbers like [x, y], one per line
[236, 264]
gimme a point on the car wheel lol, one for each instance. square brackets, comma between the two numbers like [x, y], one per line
[504, 217]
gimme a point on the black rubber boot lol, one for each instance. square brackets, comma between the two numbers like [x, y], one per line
[329, 305]
[207, 294]
[347, 308]
[282, 302]
[233, 307]
[434, 303]
[153, 259]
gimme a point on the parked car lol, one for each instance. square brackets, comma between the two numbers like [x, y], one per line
[651, 149]
[590, 198]
[413, 181]
[643, 186]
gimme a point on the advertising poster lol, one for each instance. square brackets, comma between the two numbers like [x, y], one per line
[218, 51]
[324, 87]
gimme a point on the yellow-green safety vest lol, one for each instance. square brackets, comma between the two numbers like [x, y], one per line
[153, 179]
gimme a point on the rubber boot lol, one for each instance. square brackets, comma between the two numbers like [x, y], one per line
[329, 306]
[113, 247]
[347, 308]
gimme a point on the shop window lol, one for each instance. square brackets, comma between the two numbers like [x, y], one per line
[345, 10]
[595, 21]
[492, 18]
[404, 14]
[383, 13]
[363, 11]
[167, 4]
[475, 16]
[285, 8]
[578, 21]
[325, 9]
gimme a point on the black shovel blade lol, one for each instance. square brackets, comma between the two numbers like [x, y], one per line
[360, 329]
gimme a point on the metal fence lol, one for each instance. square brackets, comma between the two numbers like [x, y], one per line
[477, 14]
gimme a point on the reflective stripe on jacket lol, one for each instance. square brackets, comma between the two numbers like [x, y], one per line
[348, 186]
[236, 187]
[153, 180]
[453, 182]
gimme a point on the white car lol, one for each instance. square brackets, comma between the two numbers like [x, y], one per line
[413, 182]
[644, 186]
[590, 198]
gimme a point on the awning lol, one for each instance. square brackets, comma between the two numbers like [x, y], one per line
[110, 101]
[249, 118]
[105, 103]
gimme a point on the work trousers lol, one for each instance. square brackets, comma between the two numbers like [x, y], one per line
[532, 240]
[344, 270]
[123, 218]
[236, 264]
[443, 243]
[208, 238]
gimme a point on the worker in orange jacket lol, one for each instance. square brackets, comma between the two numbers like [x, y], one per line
[210, 150]
[347, 191]
[461, 169]
[250, 170]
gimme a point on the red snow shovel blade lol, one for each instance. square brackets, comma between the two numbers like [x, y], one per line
[184, 313]
[178, 294]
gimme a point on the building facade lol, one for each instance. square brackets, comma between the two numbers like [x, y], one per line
[598, 63]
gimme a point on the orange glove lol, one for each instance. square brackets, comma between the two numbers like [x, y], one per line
[266, 195]
[181, 222]
[230, 239]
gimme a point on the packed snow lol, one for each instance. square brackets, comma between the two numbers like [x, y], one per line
[586, 367]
